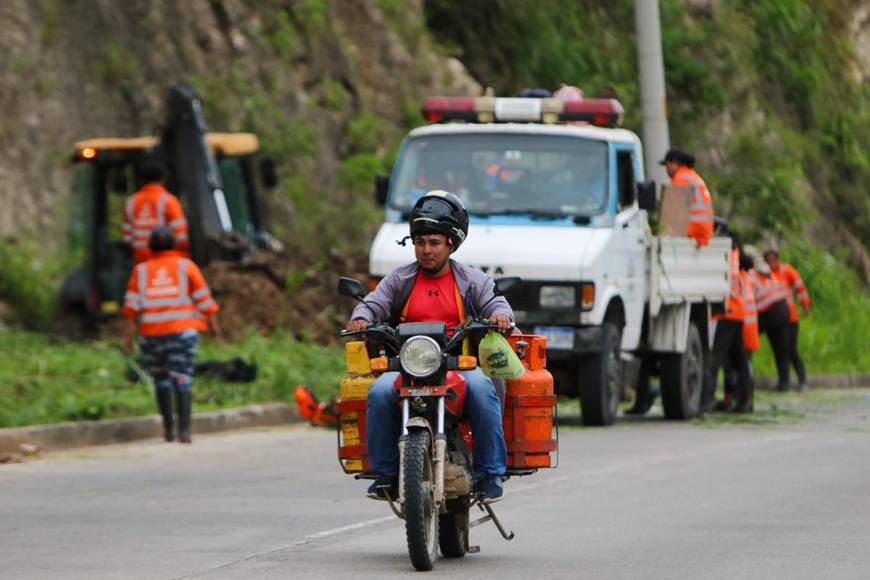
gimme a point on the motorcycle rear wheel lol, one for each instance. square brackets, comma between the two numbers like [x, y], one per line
[453, 534]
[421, 513]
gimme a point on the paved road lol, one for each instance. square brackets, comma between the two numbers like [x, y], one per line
[779, 496]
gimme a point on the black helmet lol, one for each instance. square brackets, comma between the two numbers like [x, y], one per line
[161, 239]
[439, 212]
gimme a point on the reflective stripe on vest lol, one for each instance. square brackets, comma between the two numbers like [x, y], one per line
[171, 315]
[700, 211]
[181, 300]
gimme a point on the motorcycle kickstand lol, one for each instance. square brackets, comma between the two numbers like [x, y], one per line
[491, 517]
[399, 513]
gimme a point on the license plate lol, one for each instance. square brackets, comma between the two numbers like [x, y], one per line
[558, 337]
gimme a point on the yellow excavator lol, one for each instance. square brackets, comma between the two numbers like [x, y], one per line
[217, 176]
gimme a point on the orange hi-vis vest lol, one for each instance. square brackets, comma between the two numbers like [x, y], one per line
[792, 284]
[168, 294]
[767, 291]
[148, 208]
[734, 309]
[701, 210]
[751, 340]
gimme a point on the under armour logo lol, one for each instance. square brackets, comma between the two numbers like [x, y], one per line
[434, 293]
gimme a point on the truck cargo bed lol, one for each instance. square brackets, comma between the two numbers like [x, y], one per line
[682, 272]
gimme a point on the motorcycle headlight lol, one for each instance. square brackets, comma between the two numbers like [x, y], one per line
[420, 356]
[557, 296]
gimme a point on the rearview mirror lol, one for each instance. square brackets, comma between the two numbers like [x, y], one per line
[646, 195]
[505, 285]
[268, 172]
[382, 185]
[351, 288]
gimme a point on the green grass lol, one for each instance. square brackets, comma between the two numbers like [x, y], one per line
[772, 408]
[45, 379]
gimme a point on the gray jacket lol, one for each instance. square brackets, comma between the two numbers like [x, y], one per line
[385, 304]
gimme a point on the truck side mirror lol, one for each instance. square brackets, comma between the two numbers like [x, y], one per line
[646, 195]
[351, 288]
[268, 172]
[382, 185]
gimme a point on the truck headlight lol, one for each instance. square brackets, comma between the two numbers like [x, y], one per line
[420, 356]
[557, 297]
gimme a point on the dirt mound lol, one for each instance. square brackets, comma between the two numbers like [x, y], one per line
[272, 292]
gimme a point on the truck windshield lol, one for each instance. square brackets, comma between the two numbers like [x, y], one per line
[547, 175]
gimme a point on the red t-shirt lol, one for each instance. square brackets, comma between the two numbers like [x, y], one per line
[433, 300]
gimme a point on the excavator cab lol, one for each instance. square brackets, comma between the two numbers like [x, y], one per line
[224, 224]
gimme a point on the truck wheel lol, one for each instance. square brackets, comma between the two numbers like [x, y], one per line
[599, 379]
[682, 379]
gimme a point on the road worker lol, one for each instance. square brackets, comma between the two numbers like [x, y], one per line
[680, 167]
[169, 303]
[773, 314]
[728, 342]
[150, 207]
[751, 342]
[792, 284]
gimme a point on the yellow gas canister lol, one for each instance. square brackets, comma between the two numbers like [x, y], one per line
[529, 405]
[351, 407]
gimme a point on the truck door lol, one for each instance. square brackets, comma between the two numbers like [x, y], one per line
[629, 238]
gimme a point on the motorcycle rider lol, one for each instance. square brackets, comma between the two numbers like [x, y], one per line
[435, 288]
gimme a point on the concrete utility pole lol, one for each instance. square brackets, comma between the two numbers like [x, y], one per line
[656, 139]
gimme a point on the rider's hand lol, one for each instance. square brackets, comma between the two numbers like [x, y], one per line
[355, 325]
[806, 309]
[502, 321]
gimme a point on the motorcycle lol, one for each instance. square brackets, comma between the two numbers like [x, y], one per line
[436, 491]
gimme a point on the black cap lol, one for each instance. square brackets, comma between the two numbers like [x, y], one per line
[161, 239]
[680, 157]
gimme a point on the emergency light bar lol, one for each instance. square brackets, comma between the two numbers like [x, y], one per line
[599, 112]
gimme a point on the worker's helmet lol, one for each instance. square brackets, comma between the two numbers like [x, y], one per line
[440, 212]
[161, 239]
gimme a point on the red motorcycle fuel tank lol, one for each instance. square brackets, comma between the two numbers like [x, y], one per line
[529, 406]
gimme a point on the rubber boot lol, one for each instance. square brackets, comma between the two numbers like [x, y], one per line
[184, 400]
[164, 403]
[726, 404]
[708, 394]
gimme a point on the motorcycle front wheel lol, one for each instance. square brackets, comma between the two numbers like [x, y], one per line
[421, 513]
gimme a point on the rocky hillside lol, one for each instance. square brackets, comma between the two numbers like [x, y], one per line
[330, 86]
[772, 95]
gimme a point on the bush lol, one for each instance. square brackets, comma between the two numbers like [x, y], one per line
[30, 283]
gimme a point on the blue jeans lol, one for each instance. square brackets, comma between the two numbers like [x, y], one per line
[482, 406]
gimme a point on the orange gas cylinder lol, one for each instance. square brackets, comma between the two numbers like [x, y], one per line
[529, 406]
